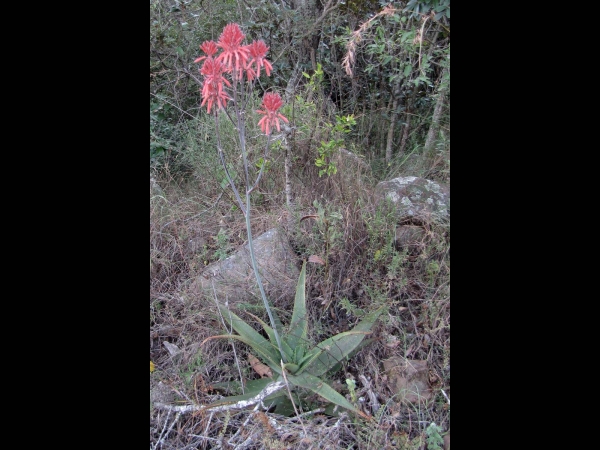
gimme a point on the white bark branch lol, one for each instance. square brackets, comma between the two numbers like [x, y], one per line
[269, 389]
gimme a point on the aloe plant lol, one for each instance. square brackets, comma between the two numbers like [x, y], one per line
[305, 366]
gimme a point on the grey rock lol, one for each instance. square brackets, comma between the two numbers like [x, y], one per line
[234, 279]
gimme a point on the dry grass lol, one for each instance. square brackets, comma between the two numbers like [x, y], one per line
[363, 270]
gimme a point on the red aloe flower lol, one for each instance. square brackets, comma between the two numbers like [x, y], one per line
[258, 51]
[271, 103]
[213, 68]
[234, 56]
[213, 93]
[250, 74]
[208, 47]
[212, 89]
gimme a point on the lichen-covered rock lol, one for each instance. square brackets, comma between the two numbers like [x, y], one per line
[416, 197]
[234, 279]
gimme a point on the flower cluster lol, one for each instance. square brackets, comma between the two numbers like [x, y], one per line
[212, 90]
[208, 47]
[271, 103]
[237, 59]
[258, 51]
[234, 55]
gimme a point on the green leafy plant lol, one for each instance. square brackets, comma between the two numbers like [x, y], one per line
[343, 125]
[335, 131]
[422, 7]
[352, 388]
[434, 438]
[222, 242]
[330, 226]
[300, 365]
[316, 79]
[160, 132]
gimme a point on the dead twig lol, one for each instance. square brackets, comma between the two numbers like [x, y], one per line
[374, 402]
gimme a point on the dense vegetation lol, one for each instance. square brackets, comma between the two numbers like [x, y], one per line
[366, 76]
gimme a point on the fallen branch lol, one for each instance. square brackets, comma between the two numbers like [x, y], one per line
[269, 389]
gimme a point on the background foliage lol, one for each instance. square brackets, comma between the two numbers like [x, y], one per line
[400, 71]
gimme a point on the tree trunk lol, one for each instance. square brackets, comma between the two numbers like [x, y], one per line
[396, 91]
[309, 12]
[435, 121]
[390, 135]
[383, 141]
[405, 132]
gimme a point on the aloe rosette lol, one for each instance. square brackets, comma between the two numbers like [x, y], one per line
[304, 366]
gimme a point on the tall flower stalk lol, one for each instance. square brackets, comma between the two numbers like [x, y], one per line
[242, 65]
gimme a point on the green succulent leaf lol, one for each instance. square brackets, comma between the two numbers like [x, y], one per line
[332, 351]
[364, 343]
[299, 352]
[255, 340]
[278, 323]
[309, 357]
[299, 326]
[291, 367]
[263, 352]
[322, 389]
[253, 387]
[289, 353]
[248, 332]
[229, 386]
[283, 405]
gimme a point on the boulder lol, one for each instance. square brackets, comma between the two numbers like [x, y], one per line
[415, 197]
[233, 278]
